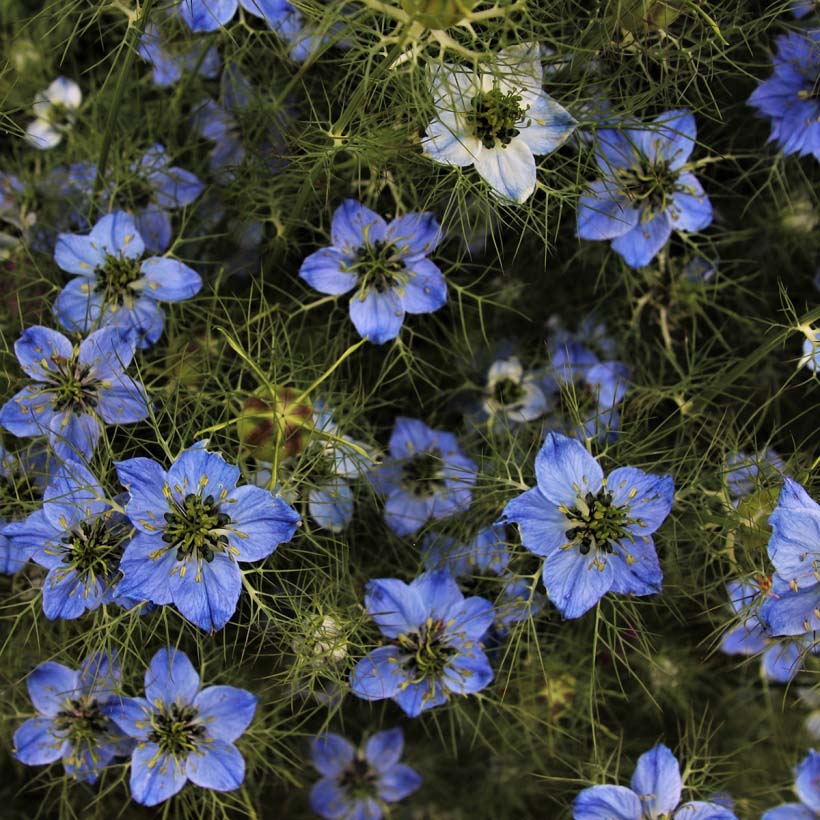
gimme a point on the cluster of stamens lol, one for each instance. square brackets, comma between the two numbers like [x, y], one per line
[422, 473]
[359, 779]
[115, 277]
[493, 117]
[82, 721]
[72, 385]
[596, 522]
[427, 650]
[92, 550]
[176, 730]
[507, 392]
[649, 184]
[379, 267]
[195, 528]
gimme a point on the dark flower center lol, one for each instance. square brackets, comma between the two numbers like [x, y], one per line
[195, 528]
[493, 117]
[427, 650]
[176, 730]
[82, 722]
[359, 779]
[596, 522]
[93, 549]
[649, 184]
[115, 278]
[379, 266]
[422, 474]
[507, 391]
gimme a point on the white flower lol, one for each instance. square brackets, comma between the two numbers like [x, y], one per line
[55, 109]
[497, 121]
[512, 393]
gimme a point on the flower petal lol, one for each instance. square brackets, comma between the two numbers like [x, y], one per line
[168, 280]
[226, 710]
[217, 765]
[377, 317]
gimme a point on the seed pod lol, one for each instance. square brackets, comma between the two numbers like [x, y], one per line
[438, 14]
[265, 425]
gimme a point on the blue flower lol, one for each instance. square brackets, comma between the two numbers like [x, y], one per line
[183, 732]
[435, 648]
[73, 718]
[595, 533]
[781, 659]
[497, 121]
[209, 15]
[113, 287]
[789, 97]
[386, 263]
[655, 792]
[484, 556]
[802, 8]
[78, 537]
[357, 783]
[75, 390]
[193, 527]
[513, 394]
[807, 787]
[794, 550]
[170, 61]
[647, 189]
[424, 477]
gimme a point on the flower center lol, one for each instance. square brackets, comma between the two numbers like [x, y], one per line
[596, 522]
[92, 550]
[359, 780]
[81, 721]
[507, 391]
[493, 117]
[649, 184]
[72, 385]
[379, 267]
[176, 730]
[115, 278]
[427, 650]
[195, 528]
[423, 473]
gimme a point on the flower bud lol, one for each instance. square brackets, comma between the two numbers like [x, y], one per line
[275, 428]
[438, 14]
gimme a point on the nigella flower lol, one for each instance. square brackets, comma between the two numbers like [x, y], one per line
[115, 285]
[387, 265]
[594, 532]
[435, 648]
[357, 783]
[498, 120]
[183, 732]
[78, 537]
[75, 389]
[73, 721]
[513, 394]
[807, 789]
[780, 659]
[209, 15]
[193, 527]
[485, 558]
[794, 550]
[56, 111]
[170, 61]
[790, 97]
[647, 188]
[655, 792]
[424, 477]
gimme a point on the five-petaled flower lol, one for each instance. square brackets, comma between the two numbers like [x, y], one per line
[386, 264]
[193, 527]
[424, 477]
[595, 533]
[357, 783]
[647, 188]
[114, 285]
[75, 390]
[435, 648]
[183, 732]
[74, 722]
[497, 120]
[655, 793]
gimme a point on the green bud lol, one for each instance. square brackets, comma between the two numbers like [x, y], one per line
[438, 14]
[640, 16]
[280, 425]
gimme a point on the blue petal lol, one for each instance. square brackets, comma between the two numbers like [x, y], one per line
[470, 618]
[29, 412]
[575, 582]
[175, 187]
[353, 225]
[227, 710]
[547, 125]
[35, 743]
[642, 244]
[395, 607]
[419, 696]
[509, 170]
[674, 140]
[795, 543]
[691, 209]
[697, 810]
[154, 225]
[468, 671]
[378, 675]
[117, 235]
[409, 436]
[782, 661]
[324, 271]
[383, 750]
[207, 15]
[259, 522]
[125, 402]
[397, 783]
[155, 776]
[438, 593]
[144, 479]
[171, 678]
[39, 349]
[807, 781]
[168, 280]
[217, 765]
[50, 685]
[78, 254]
[67, 596]
[647, 497]
[329, 800]
[74, 436]
[565, 470]
[78, 307]
[426, 290]
[605, 213]
[607, 803]
[791, 613]
[207, 595]
[132, 716]
[657, 781]
[331, 504]
[543, 528]
[202, 472]
[271, 11]
[332, 754]
[377, 317]
[405, 513]
[414, 234]
[106, 353]
[790, 811]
